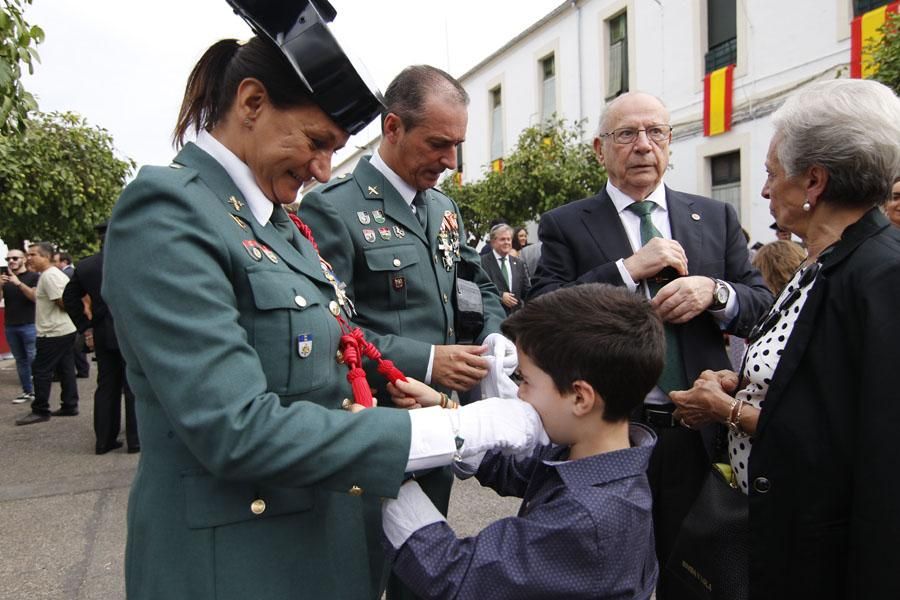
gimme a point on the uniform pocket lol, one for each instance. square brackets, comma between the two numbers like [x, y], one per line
[294, 333]
[395, 270]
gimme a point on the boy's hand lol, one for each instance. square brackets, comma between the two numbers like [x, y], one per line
[413, 394]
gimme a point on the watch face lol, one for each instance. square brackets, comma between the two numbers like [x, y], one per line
[721, 294]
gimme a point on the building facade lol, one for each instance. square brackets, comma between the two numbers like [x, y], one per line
[585, 52]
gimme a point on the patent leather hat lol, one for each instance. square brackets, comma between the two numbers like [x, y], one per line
[300, 29]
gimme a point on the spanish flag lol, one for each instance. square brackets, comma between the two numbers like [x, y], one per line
[497, 165]
[718, 88]
[864, 36]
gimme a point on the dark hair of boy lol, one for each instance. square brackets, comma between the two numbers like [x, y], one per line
[605, 335]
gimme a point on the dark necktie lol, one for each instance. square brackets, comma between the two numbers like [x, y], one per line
[672, 377]
[421, 211]
[505, 272]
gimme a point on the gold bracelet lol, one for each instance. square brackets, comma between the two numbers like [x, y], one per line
[732, 426]
[738, 430]
[447, 403]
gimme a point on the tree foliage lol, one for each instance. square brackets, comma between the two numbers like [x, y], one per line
[17, 42]
[886, 55]
[549, 167]
[57, 181]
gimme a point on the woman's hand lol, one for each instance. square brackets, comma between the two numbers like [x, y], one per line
[413, 394]
[706, 402]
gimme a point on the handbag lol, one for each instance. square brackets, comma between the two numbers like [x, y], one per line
[711, 554]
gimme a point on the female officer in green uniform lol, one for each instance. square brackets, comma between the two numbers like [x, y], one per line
[253, 483]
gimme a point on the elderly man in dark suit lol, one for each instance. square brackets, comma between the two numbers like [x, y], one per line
[506, 271]
[100, 334]
[687, 254]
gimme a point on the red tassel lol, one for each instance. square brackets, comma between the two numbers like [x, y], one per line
[390, 372]
[362, 394]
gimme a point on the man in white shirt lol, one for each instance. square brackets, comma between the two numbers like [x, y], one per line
[55, 337]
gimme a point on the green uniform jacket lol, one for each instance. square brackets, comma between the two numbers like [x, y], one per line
[252, 482]
[397, 276]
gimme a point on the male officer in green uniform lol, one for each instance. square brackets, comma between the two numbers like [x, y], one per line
[398, 243]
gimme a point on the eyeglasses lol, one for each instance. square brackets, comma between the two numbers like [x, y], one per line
[628, 135]
[9, 258]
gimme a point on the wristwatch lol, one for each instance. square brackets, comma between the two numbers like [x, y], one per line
[721, 293]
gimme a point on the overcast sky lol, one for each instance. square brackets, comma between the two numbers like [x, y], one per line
[122, 64]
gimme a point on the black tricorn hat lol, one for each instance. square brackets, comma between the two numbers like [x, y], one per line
[300, 29]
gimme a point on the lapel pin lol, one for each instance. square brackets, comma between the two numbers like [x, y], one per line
[239, 221]
[363, 217]
[695, 216]
[369, 234]
[252, 248]
[373, 190]
[235, 203]
[273, 258]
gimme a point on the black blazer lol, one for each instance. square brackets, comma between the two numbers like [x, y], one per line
[583, 240]
[824, 490]
[520, 278]
[86, 280]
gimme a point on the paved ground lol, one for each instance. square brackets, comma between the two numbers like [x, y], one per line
[62, 508]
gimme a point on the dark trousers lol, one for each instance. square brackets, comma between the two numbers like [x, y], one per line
[676, 472]
[52, 353]
[111, 385]
[82, 364]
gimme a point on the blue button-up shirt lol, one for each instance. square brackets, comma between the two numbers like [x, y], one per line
[584, 530]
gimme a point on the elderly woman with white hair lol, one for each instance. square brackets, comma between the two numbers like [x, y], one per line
[813, 427]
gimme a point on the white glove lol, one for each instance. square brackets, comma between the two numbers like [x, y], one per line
[467, 467]
[411, 511]
[506, 424]
[439, 436]
[504, 351]
[497, 384]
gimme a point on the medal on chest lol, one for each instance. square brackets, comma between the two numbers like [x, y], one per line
[448, 239]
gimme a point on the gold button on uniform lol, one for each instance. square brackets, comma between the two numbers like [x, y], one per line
[355, 491]
[339, 357]
[445, 298]
[300, 301]
[334, 308]
[258, 506]
[396, 262]
[450, 331]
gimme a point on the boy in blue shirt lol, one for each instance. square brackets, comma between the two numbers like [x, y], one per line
[588, 355]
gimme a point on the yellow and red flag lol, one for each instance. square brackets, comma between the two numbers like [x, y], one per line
[864, 36]
[497, 165]
[718, 89]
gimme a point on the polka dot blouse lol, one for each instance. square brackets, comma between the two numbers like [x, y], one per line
[762, 358]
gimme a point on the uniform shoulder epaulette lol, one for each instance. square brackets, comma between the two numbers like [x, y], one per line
[341, 180]
[174, 172]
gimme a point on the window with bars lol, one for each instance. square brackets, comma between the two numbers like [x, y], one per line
[548, 87]
[617, 58]
[726, 178]
[721, 30]
[496, 123]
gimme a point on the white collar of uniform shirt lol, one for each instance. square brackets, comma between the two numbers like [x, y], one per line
[240, 173]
